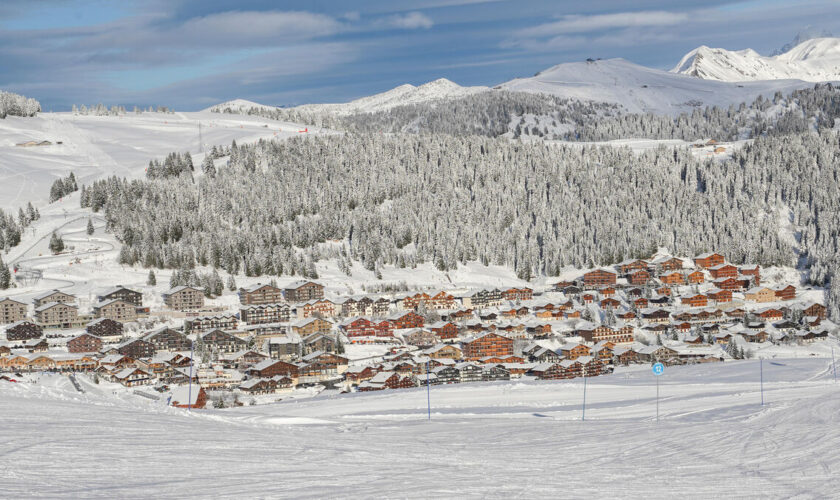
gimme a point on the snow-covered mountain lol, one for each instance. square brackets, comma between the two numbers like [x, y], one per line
[399, 96]
[236, 106]
[642, 89]
[815, 60]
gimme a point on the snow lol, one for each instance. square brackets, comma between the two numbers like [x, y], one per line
[400, 96]
[641, 89]
[94, 147]
[484, 440]
[815, 60]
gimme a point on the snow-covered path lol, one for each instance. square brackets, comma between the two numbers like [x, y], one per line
[484, 440]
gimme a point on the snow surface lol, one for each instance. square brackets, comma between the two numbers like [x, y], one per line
[94, 147]
[815, 60]
[522, 439]
[643, 90]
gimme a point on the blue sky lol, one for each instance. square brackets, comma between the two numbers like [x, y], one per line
[189, 54]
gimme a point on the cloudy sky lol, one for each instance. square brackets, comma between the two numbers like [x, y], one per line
[189, 54]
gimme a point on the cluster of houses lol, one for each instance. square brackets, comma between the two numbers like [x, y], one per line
[665, 309]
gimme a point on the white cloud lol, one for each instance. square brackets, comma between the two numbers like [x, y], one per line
[584, 24]
[410, 21]
[248, 27]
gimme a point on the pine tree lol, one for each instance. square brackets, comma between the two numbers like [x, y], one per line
[90, 228]
[152, 279]
[56, 244]
[231, 283]
[5, 275]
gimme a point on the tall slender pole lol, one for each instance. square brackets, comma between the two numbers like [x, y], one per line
[189, 391]
[761, 371]
[428, 392]
[583, 412]
[657, 399]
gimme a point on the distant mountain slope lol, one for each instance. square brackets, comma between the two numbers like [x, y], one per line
[815, 60]
[399, 96]
[643, 90]
[236, 106]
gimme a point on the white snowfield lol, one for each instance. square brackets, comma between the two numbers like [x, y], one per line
[644, 90]
[94, 147]
[491, 440]
[398, 96]
[815, 60]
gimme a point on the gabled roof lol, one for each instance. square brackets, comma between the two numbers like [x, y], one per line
[50, 305]
[44, 295]
[180, 288]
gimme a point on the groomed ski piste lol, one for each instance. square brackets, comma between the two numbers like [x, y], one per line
[521, 439]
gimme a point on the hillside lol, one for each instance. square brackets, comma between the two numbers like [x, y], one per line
[643, 90]
[815, 60]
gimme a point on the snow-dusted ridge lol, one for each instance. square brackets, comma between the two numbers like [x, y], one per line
[815, 60]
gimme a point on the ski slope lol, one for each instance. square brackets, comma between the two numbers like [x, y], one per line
[492, 440]
[94, 147]
[644, 90]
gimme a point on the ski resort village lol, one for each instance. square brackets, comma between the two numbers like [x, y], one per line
[291, 340]
[273, 250]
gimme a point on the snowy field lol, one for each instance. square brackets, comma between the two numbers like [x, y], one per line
[518, 439]
[99, 146]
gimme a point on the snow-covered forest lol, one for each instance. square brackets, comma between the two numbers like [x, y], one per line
[17, 105]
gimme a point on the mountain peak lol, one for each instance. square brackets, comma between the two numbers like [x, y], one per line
[812, 60]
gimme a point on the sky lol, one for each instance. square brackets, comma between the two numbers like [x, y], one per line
[190, 54]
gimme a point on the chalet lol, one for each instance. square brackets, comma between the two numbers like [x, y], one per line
[760, 294]
[481, 299]
[444, 351]
[625, 355]
[785, 292]
[626, 315]
[556, 370]
[697, 300]
[469, 372]
[323, 308]
[286, 348]
[669, 264]
[754, 336]
[815, 309]
[708, 260]
[420, 338]
[753, 272]
[260, 294]
[12, 311]
[115, 309]
[723, 271]
[303, 291]
[221, 341]
[519, 294]
[655, 316]
[489, 344]
[105, 328]
[323, 364]
[308, 326]
[609, 304]
[131, 377]
[259, 386]
[258, 314]
[407, 320]
[736, 313]
[184, 298]
[242, 359]
[603, 351]
[494, 373]
[654, 353]
[770, 314]
[122, 293]
[442, 301]
[206, 323]
[84, 343]
[167, 339]
[640, 303]
[672, 278]
[630, 266]
[24, 330]
[413, 302]
[357, 327]
[444, 330]
[639, 277]
[683, 327]
[136, 348]
[695, 277]
[718, 296]
[604, 333]
[273, 367]
[573, 350]
[53, 296]
[36, 345]
[447, 375]
[320, 342]
[57, 315]
[5, 351]
[188, 397]
[598, 278]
